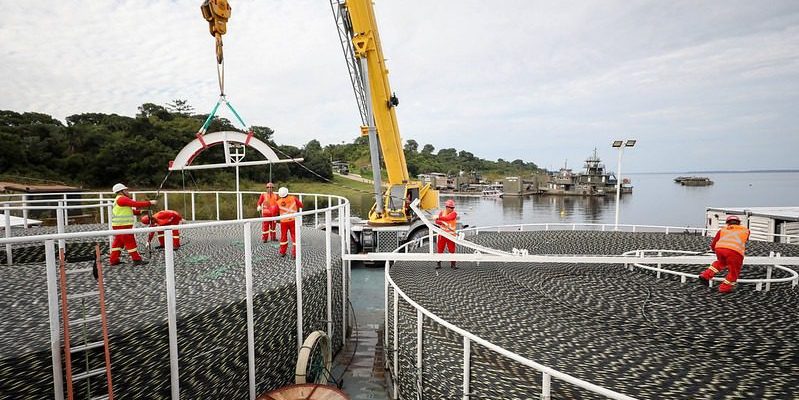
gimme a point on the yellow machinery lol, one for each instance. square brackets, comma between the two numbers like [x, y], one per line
[216, 12]
[357, 30]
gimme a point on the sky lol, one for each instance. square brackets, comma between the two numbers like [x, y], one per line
[701, 85]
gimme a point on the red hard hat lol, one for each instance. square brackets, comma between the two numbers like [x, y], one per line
[733, 218]
[450, 203]
[145, 220]
[269, 184]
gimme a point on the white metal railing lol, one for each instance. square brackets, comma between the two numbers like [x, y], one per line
[102, 200]
[21, 202]
[468, 337]
[792, 277]
[637, 258]
[335, 203]
[790, 239]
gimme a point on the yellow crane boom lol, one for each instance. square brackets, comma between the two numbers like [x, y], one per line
[369, 74]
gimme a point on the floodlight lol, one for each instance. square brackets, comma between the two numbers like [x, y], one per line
[630, 143]
[617, 143]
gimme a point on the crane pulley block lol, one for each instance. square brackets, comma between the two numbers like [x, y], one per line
[216, 12]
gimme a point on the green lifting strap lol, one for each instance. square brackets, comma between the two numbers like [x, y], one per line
[210, 117]
[230, 106]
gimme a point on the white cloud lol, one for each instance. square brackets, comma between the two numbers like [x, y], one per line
[534, 80]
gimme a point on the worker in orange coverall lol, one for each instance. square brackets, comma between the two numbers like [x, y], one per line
[287, 205]
[164, 218]
[447, 220]
[122, 217]
[267, 206]
[730, 246]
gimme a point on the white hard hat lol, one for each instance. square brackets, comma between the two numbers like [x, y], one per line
[283, 192]
[119, 187]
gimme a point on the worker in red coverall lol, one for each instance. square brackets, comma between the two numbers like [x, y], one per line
[730, 246]
[122, 217]
[267, 206]
[164, 218]
[287, 205]
[447, 220]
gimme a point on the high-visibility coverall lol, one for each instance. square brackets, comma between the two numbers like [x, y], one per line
[164, 218]
[288, 205]
[123, 217]
[267, 203]
[447, 220]
[729, 244]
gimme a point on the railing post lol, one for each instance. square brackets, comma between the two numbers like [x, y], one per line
[7, 227]
[250, 312]
[217, 206]
[660, 254]
[62, 243]
[546, 383]
[430, 242]
[25, 211]
[329, 269]
[419, 350]
[667, 230]
[66, 210]
[385, 312]
[171, 301]
[53, 311]
[769, 271]
[467, 353]
[102, 214]
[192, 207]
[110, 213]
[166, 200]
[315, 207]
[395, 349]
[297, 247]
[343, 230]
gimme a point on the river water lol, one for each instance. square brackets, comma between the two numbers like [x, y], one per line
[656, 200]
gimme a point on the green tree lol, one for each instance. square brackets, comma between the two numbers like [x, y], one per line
[411, 146]
[180, 107]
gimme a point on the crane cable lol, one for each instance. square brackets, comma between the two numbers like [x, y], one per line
[217, 13]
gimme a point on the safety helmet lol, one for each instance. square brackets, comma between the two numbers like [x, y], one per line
[450, 203]
[270, 184]
[119, 187]
[145, 219]
[733, 219]
[283, 192]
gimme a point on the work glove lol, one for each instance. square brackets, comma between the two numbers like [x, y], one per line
[153, 202]
[258, 208]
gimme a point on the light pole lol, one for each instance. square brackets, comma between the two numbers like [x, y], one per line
[620, 144]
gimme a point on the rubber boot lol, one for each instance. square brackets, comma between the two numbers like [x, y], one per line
[438, 264]
[726, 286]
[452, 265]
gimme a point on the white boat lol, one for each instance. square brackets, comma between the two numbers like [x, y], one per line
[492, 193]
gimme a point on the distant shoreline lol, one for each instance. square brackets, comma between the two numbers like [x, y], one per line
[759, 171]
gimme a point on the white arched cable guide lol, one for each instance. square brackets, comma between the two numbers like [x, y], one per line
[316, 340]
[190, 151]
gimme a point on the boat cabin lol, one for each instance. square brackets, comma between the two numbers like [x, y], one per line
[768, 224]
